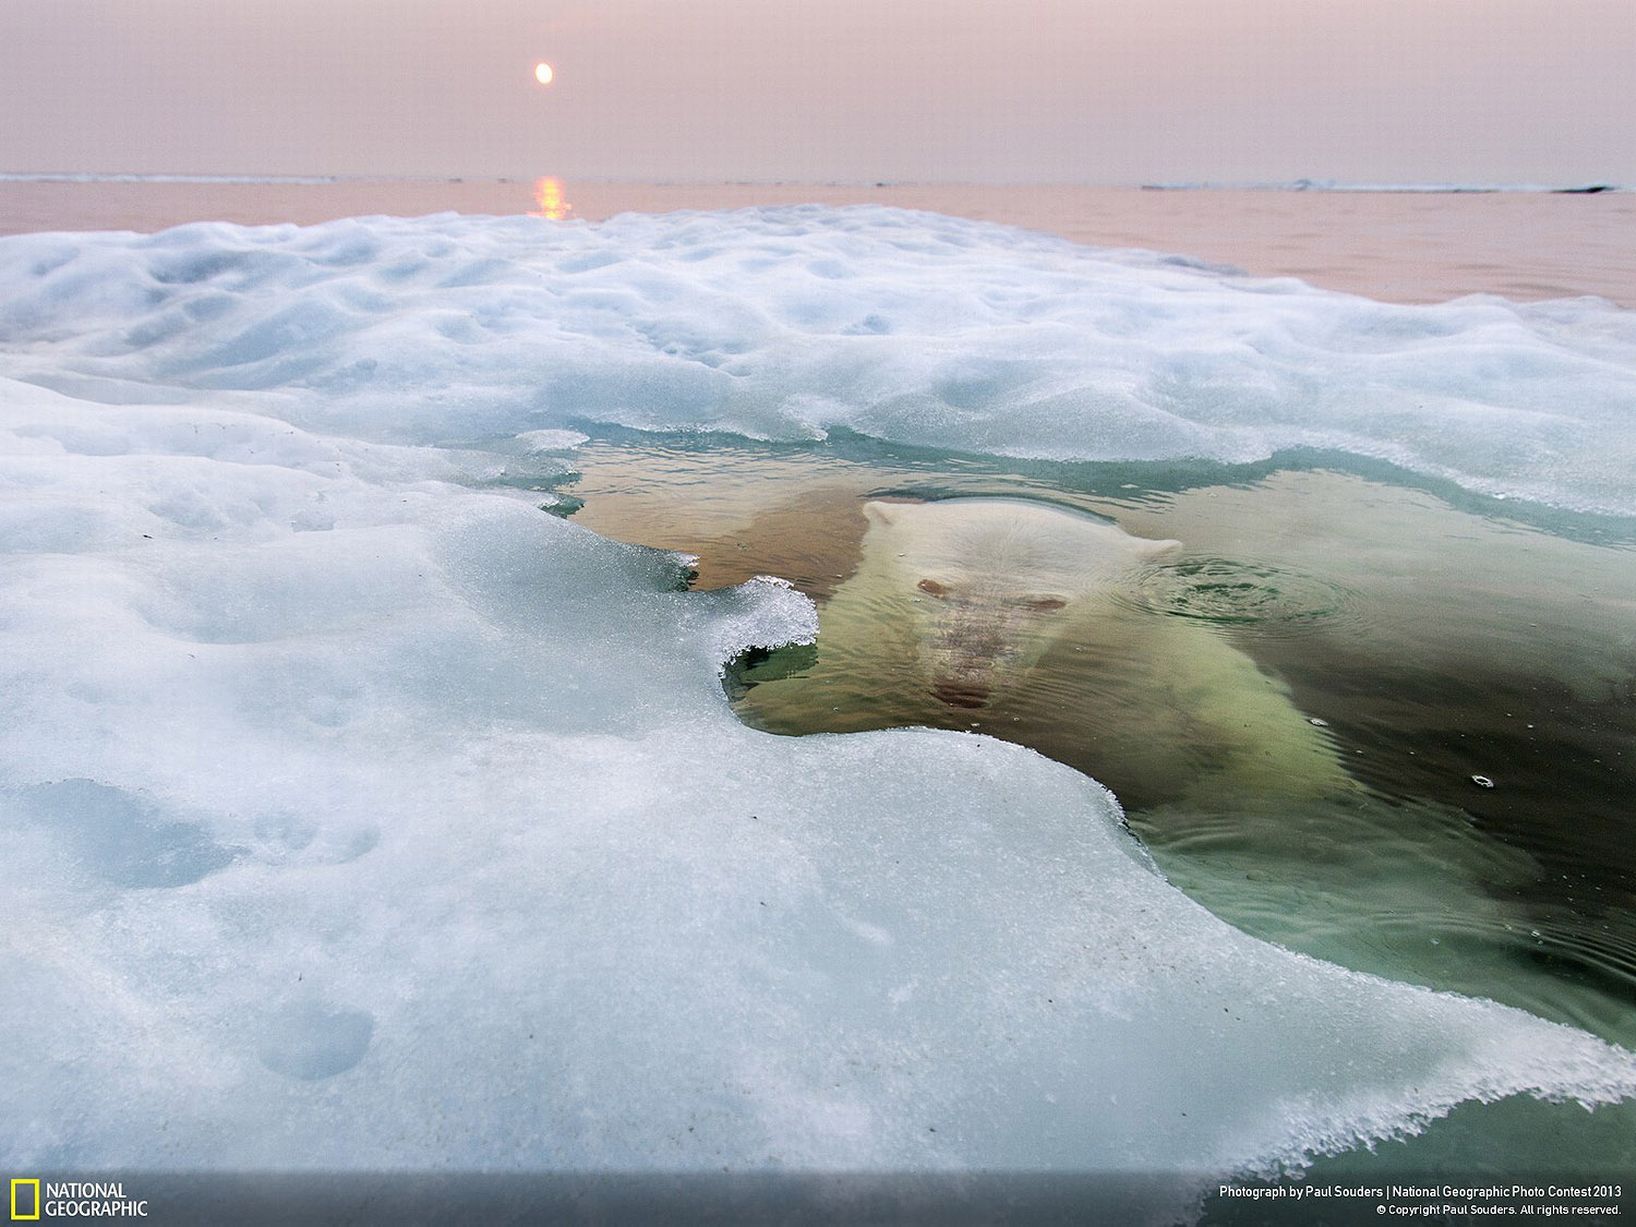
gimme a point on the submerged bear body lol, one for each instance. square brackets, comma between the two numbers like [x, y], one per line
[961, 609]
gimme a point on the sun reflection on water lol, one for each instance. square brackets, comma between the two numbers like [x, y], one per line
[549, 200]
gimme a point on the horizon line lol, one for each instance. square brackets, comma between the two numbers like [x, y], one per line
[1283, 185]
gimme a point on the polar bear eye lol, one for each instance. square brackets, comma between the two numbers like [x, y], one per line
[932, 588]
[1044, 604]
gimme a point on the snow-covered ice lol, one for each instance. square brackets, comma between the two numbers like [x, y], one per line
[357, 814]
[787, 323]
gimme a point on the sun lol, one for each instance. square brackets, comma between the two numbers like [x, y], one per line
[543, 73]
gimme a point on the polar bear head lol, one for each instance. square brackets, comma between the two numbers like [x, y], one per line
[994, 581]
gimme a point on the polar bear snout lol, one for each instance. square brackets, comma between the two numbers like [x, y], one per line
[970, 645]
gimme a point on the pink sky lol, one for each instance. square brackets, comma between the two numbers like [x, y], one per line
[1086, 91]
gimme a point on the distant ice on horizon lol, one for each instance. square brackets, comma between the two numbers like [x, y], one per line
[1340, 185]
[137, 177]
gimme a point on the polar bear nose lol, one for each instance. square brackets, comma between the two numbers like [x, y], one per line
[960, 694]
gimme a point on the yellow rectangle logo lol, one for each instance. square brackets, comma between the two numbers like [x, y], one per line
[34, 1184]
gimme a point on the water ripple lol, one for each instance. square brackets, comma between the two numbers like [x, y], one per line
[1264, 597]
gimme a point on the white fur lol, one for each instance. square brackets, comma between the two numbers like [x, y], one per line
[968, 595]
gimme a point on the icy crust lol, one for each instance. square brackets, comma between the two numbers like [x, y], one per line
[787, 323]
[358, 818]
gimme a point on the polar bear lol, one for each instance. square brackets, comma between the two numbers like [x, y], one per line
[956, 603]
[1029, 622]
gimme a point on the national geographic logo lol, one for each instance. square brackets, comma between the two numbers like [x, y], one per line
[25, 1200]
[31, 1200]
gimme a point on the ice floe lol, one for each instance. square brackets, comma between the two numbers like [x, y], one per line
[787, 323]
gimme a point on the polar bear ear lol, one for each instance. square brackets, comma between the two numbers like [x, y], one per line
[882, 513]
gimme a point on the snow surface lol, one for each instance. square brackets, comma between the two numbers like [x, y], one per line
[359, 815]
[785, 323]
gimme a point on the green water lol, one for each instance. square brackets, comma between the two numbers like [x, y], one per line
[1463, 669]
